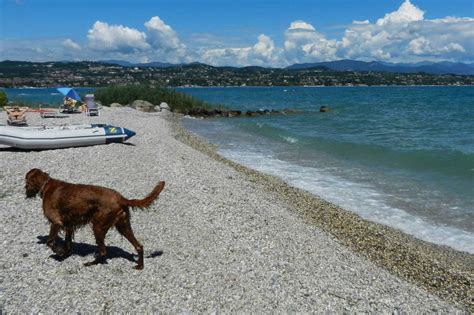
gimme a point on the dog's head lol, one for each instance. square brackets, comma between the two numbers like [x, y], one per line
[34, 182]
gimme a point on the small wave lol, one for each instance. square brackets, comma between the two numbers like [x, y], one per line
[55, 94]
[190, 117]
[289, 139]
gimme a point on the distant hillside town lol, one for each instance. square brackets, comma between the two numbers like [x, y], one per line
[342, 73]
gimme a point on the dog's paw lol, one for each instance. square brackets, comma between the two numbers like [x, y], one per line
[138, 267]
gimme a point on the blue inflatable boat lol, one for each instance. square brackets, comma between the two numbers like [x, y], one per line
[54, 137]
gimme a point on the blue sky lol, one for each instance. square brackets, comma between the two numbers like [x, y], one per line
[244, 32]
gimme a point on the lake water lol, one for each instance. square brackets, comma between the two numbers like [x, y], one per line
[35, 96]
[400, 156]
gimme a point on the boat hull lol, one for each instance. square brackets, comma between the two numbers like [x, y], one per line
[42, 137]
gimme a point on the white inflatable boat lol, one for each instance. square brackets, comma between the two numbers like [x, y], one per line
[54, 137]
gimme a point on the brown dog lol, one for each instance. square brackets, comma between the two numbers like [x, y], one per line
[70, 206]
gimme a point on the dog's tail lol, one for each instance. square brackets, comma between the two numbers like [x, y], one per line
[148, 200]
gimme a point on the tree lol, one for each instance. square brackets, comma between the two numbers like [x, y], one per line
[3, 98]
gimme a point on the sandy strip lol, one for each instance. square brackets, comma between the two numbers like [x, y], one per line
[220, 238]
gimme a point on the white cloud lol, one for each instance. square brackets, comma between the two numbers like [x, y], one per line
[404, 36]
[301, 26]
[39, 50]
[400, 36]
[263, 53]
[422, 46]
[70, 44]
[164, 41]
[161, 35]
[304, 44]
[360, 22]
[159, 42]
[225, 56]
[405, 14]
[116, 38]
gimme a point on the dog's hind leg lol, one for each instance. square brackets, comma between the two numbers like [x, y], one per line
[124, 228]
[99, 233]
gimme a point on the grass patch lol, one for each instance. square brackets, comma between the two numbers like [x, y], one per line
[126, 94]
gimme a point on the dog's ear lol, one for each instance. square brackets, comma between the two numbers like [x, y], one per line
[35, 171]
[32, 172]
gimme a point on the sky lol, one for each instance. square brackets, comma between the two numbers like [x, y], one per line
[272, 33]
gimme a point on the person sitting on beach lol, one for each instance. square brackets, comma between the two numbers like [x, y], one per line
[69, 102]
[16, 113]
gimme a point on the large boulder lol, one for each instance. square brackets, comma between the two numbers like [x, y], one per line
[143, 106]
[164, 106]
[157, 108]
[116, 105]
[199, 112]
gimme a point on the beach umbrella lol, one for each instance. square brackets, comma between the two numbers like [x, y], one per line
[69, 92]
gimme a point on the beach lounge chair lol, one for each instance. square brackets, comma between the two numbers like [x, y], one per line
[16, 115]
[91, 108]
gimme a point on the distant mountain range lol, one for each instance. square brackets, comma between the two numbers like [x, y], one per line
[426, 67]
[143, 65]
[444, 67]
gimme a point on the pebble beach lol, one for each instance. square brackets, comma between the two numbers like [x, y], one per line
[220, 238]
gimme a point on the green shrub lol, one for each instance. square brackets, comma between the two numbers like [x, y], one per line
[178, 102]
[3, 98]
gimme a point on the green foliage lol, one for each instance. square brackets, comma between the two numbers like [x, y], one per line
[3, 98]
[178, 102]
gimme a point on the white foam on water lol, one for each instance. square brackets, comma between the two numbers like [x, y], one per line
[362, 199]
[289, 139]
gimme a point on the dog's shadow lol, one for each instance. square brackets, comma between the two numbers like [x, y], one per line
[84, 249]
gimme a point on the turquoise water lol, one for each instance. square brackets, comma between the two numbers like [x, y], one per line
[401, 156]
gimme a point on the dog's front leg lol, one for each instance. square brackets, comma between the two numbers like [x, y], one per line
[52, 237]
[68, 242]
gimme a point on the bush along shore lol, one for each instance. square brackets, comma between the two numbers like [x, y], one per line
[151, 99]
[128, 94]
